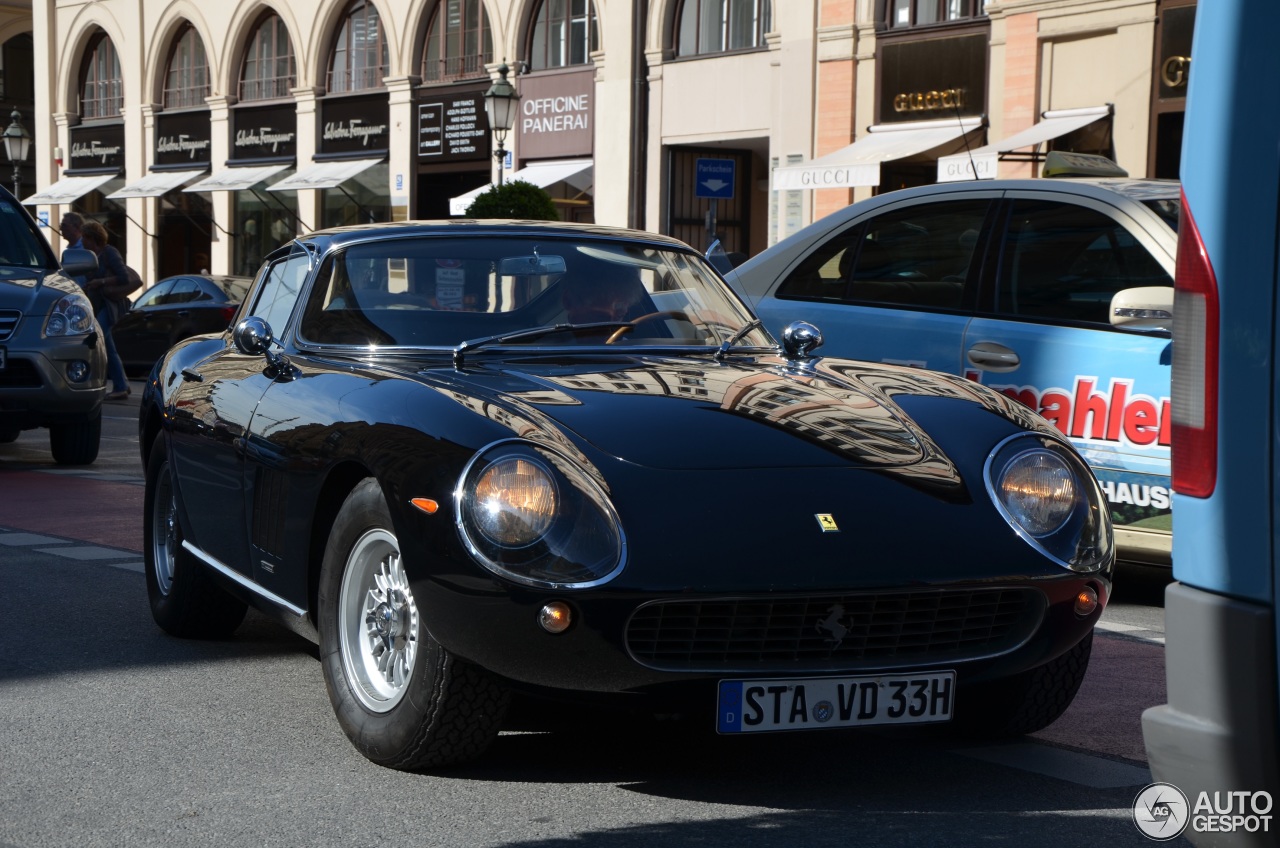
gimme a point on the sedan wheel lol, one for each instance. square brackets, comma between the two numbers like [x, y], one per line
[402, 699]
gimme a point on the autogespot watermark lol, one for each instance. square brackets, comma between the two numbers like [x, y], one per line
[1162, 812]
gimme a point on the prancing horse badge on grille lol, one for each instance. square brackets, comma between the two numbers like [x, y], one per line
[827, 522]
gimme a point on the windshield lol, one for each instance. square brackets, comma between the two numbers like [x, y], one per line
[440, 292]
[21, 244]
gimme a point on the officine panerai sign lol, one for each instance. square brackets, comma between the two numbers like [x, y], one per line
[355, 124]
[557, 114]
[184, 138]
[97, 147]
[264, 132]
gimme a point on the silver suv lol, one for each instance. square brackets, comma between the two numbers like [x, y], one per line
[53, 363]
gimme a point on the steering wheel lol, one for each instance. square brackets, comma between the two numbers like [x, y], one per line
[652, 316]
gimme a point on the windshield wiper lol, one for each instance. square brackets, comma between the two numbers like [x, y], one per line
[523, 335]
[728, 343]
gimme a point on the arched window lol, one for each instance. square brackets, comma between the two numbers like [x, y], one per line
[269, 70]
[717, 26]
[186, 81]
[458, 41]
[564, 33]
[101, 89]
[360, 55]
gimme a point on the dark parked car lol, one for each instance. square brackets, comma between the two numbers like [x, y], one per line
[477, 458]
[174, 309]
[52, 362]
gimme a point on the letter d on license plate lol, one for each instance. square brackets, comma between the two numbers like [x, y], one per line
[751, 706]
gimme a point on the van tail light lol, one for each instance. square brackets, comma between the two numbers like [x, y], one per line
[1195, 364]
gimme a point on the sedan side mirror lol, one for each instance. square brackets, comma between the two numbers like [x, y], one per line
[1144, 308]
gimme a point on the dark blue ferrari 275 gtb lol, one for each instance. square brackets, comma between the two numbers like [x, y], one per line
[473, 459]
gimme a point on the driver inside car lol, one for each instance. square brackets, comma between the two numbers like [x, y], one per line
[613, 294]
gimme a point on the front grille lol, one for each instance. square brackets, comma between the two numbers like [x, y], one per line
[9, 319]
[19, 374]
[836, 631]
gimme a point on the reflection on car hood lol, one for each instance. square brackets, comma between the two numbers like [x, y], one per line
[697, 414]
[21, 288]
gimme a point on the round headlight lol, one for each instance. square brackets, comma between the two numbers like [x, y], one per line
[1049, 496]
[1038, 490]
[535, 516]
[515, 502]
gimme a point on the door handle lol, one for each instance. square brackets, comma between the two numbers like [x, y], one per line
[993, 357]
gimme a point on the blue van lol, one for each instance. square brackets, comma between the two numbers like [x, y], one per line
[1219, 731]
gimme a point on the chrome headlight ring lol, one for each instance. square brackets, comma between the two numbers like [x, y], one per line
[532, 516]
[1047, 494]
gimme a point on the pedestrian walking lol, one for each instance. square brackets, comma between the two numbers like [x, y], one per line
[108, 307]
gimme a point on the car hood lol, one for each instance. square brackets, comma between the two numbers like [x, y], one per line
[29, 290]
[699, 414]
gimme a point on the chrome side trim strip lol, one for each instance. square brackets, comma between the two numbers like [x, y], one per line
[241, 579]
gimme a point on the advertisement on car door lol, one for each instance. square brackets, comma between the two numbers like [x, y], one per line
[1124, 435]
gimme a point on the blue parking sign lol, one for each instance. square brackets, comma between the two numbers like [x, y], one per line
[715, 178]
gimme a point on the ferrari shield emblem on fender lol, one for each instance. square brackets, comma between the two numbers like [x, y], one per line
[827, 522]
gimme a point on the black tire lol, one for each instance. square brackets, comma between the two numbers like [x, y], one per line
[432, 709]
[186, 601]
[7, 436]
[76, 443]
[1029, 701]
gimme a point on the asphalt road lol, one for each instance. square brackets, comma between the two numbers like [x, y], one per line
[115, 734]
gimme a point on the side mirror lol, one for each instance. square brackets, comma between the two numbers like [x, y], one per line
[78, 262]
[1143, 308]
[800, 339]
[252, 336]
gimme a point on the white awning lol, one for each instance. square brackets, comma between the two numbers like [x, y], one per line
[236, 179]
[324, 175]
[578, 173]
[980, 163]
[859, 163]
[156, 184]
[67, 190]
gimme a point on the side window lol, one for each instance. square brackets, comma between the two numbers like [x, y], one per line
[184, 290]
[1064, 262]
[920, 255]
[155, 295]
[280, 283]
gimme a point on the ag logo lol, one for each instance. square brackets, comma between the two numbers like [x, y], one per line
[1161, 812]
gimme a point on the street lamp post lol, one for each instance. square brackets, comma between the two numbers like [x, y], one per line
[500, 106]
[17, 144]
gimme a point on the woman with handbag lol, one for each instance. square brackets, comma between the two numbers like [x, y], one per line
[110, 288]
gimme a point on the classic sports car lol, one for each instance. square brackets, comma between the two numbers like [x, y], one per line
[477, 458]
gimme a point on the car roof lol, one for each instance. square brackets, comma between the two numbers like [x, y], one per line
[338, 236]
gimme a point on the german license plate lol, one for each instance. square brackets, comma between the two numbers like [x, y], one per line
[753, 706]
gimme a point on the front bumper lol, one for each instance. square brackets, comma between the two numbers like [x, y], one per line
[35, 390]
[610, 646]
